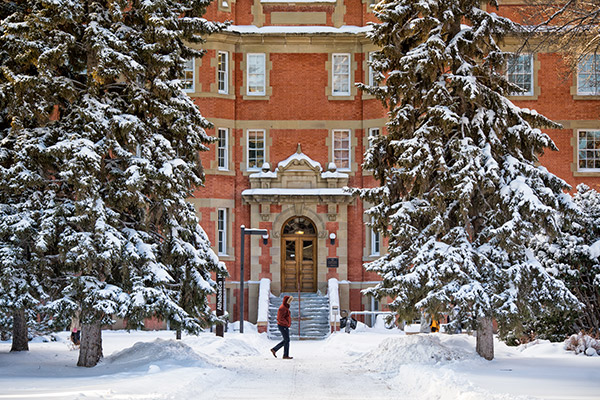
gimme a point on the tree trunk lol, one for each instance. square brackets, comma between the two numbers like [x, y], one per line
[20, 341]
[178, 334]
[90, 350]
[485, 338]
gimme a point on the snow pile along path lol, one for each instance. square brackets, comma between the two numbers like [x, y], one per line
[161, 352]
[394, 352]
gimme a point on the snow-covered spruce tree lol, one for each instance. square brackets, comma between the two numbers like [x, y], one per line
[127, 140]
[26, 105]
[574, 257]
[460, 193]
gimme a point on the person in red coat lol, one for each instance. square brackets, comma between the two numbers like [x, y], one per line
[284, 321]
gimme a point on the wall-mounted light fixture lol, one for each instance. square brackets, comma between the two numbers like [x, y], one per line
[332, 237]
[265, 239]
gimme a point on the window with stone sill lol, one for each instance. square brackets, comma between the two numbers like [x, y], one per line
[342, 149]
[256, 149]
[188, 76]
[223, 149]
[588, 75]
[588, 151]
[375, 242]
[373, 133]
[255, 74]
[520, 73]
[223, 72]
[222, 231]
[341, 74]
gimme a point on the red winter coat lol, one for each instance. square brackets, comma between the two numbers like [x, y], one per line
[283, 314]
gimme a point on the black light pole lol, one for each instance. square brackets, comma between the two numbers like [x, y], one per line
[265, 235]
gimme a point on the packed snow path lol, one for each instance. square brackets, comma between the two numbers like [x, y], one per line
[368, 365]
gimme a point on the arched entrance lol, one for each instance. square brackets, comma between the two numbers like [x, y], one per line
[299, 255]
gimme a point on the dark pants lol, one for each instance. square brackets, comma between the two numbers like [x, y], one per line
[285, 343]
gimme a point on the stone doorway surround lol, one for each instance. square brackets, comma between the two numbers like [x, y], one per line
[297, 187]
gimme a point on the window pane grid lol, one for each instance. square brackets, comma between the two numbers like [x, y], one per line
[341, 149]
[188, 76]
[222, 73]
[256, 149]
[520, 73]
[222, 153]
[588, 75]
[256, 74]
[222, 230]
[375, 241]
[341, 74]
[589, 150]
[373, 133]
[371, 72]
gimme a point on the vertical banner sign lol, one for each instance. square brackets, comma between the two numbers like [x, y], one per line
[220, 302]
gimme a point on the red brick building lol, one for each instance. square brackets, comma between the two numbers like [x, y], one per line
[278, 86]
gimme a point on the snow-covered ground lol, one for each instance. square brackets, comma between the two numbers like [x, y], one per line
[365, 364]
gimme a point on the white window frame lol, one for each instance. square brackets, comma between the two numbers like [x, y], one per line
[263, 73]
[348, 149]
[371, 71]
[223, 149]
[264, 149]
[594, 73]
[373, 133]
[223, 72]
[594, 150]
[529, 73]
[185, 79]
[375, 241]
[342, 75]
[222, 231]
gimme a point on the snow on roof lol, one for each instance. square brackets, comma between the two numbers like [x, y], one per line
[296, 192]
[333, 174]
[300, 157]
[247, 29]
[263, 174]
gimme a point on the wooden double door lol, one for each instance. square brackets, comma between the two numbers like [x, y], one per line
[299, 263]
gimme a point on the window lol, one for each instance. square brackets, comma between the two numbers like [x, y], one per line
[188, 76]
[588, 150]
[341, 149]
[375, 241]
[371, 71]
[256, 149]
[520, 73]
[223, 72]
[341, 75]
[256, 74]
[222, 230]
[373, 133]
[588, 75]
[222, 149]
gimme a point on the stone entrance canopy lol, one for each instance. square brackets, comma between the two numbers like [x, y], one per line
[298, 180]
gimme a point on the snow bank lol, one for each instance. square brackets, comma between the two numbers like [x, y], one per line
[392, 353]
[216, 348]
[426, 382]
[164, 352]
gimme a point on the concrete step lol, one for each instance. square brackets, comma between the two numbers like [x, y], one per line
[314, 310]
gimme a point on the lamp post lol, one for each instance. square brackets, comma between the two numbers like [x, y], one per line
[265, 234]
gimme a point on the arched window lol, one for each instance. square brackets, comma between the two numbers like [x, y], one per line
[299, 226]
